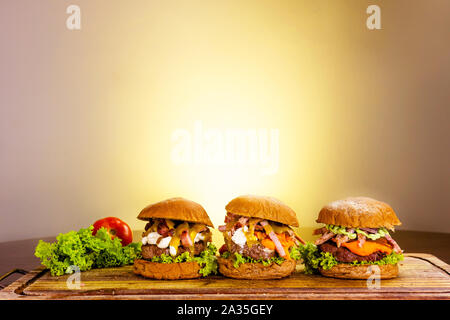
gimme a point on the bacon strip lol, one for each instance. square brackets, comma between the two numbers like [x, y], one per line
[235, 227]
[394, 244]
[186, 239]
[231, 223]
[294, 235]
[340, 239]
[369, 230]
[230, 217]
[327, 236]
[243, 221]
[275, 240]
[322, 230]
[361, 240]
[163, 229]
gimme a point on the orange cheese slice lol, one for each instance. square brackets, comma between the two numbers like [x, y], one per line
[268, 244]
[286, 242]
[368, 247]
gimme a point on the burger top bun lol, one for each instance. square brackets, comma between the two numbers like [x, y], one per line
[358, 212]
[262, 207]
[176, 209]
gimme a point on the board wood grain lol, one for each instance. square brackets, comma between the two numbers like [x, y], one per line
[422, 276]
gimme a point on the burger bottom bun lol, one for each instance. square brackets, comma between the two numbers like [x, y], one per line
[166, 271]
[255, 270]
[347, 271]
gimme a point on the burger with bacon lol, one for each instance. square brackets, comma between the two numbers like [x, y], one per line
[259, 240]
[176, 241]
[355, 237]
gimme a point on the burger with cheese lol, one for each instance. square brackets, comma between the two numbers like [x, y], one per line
[355, 237]
[259, 240]
[176, 241]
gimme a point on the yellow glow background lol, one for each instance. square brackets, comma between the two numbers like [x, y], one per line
[88, 115]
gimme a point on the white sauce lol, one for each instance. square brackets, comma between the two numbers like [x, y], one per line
[164, 243]
[151, 238]
[239, 237]
[199, 237]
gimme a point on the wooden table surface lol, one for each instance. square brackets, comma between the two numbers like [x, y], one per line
[20, 254]
[421, 277]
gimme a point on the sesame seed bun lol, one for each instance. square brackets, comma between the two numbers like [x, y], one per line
[359, 212]
[176, 209]
[263, 207]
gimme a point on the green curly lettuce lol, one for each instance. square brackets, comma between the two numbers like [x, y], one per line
[314, 259]
[240, 259]
[207, 259]
[392, 258]
[295, 253]
[86, 251]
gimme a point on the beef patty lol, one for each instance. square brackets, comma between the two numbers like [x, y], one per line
[256, 251]
[151, 250]
[342, 254]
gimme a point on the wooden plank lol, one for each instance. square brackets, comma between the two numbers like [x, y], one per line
[421, 276]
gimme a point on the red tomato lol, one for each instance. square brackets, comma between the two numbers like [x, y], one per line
[116, 228]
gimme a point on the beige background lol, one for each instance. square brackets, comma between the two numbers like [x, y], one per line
[86, 116]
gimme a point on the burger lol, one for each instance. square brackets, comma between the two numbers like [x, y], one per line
[355, 238]
[176, 241]
[259, 240]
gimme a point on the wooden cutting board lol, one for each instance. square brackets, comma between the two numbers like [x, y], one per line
[422, 276]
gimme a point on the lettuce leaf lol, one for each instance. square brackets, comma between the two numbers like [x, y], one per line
[295, 253]
[392, 258]
[86, 251]
[314, 259]
[240, 259]
[207, 260]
